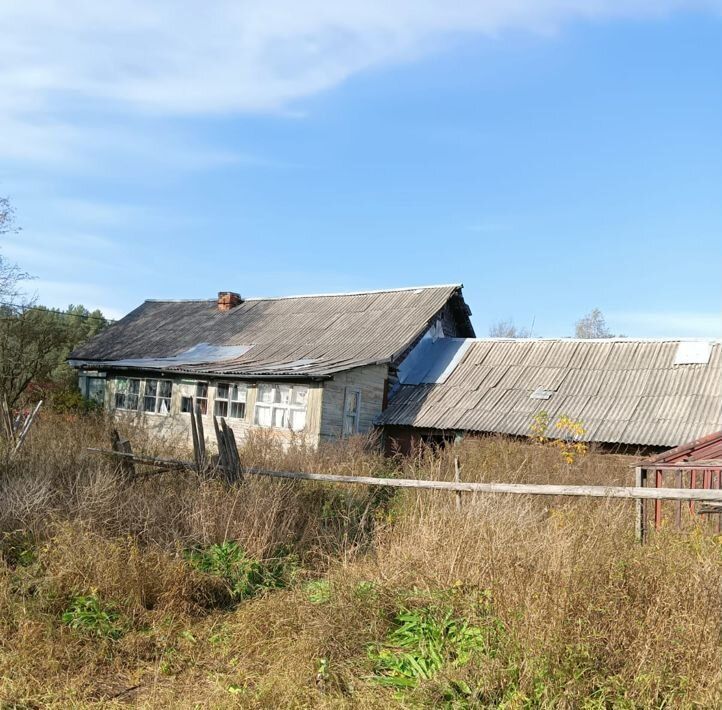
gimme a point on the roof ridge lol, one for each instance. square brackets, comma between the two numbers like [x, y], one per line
[309, 295]
[353, 293]
[562, 339]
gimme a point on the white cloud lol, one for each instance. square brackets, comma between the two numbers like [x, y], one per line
[63, 57]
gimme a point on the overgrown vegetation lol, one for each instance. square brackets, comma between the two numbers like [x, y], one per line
[170, 591]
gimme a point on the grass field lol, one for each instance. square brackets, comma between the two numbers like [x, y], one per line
[172, 591]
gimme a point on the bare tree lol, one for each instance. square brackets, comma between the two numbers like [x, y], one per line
[10, 274]
[507, 329]
[592, 325]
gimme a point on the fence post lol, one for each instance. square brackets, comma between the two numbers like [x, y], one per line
[640, 480]
[123, 446]
[457, 479]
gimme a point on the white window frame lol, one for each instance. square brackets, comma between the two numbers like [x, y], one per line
[139, 394]
[198, 399]
[276, 408]
[236, 395]
[158, 398]
[355, 415]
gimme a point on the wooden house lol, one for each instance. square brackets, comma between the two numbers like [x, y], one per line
[306, 367]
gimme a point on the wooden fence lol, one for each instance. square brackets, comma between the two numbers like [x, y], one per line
[227, 464]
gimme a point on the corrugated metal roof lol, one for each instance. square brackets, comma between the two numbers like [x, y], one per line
[304, 336]
[622, 390]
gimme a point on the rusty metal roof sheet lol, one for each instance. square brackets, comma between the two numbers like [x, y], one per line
[302, 336]
[622, 390]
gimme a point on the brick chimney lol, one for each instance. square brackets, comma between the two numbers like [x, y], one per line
[228, 300]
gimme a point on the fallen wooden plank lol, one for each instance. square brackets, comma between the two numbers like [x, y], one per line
[26, 427]
[148, 460]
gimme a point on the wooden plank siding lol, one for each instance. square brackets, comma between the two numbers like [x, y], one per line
[370, 381]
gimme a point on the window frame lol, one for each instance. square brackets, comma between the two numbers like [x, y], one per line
[158, 396]
[229, 400]
[278, 408]
[138, 395]
[195, 397]
[355, 415]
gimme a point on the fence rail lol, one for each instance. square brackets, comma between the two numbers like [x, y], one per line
[227, 464]
[627, 492]
[545, 489]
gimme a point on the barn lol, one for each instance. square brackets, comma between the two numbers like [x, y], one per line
[308, 368]
[628, 393]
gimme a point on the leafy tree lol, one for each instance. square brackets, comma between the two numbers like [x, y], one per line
[507, 329]
[592, 325]
[34, 345]
[35, 341]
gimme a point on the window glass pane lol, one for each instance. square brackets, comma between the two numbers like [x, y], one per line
[134, 386]
[119, 400]
[221, 408]
[202, 405]
[151, 388]
[298, 419]
[148, 404]
[242, 391]
[166, 388]
[283, 394]
[96, 388]
[222, 390]
[131, 401]
[201, 389]
[121, 385]
[279, 417]
[238, 410]
[186, 404]
[300, 395]
[263, 416]
[265, 393]
[163, 405]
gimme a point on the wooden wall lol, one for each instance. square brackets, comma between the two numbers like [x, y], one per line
[370, 380]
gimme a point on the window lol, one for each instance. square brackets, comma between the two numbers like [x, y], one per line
[351, 411]
[281, 406]
[157, 396]
[201, 397]
[127, 393]
[230, 400]
[95, 389]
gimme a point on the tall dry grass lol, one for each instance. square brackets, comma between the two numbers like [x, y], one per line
[575, 613]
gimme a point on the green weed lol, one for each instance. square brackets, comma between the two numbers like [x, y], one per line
[245, 576]
[86, 613]
[422, 642]
[318, 591]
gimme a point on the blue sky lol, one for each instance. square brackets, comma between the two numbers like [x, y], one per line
[552, 156]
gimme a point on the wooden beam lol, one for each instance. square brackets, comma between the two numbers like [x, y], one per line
[148, 460]
[629, 493]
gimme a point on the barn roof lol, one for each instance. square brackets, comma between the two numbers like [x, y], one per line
[295, 336]
[640, 392]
